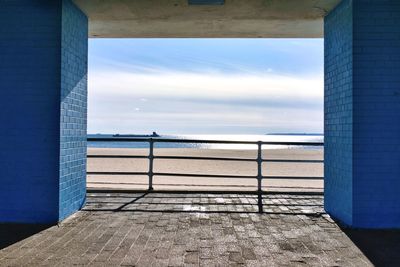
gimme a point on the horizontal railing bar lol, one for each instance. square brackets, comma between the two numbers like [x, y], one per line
[205, 175]
[293, 160]
[201, 141]
[294, 177]
[209, 175]
[197, 185]
[239, 176]
[289, 194]
[174, 174]
[118, 156]
[204, 158]
[117, 173]
[162, 140]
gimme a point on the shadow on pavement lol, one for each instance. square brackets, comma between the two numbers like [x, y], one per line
[205, 202]
[13, 233]
[381, 247]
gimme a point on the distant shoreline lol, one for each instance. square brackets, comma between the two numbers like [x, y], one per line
[168, 135]
[267, 138]
[297, 134]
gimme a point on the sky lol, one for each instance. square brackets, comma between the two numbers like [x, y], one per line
[205, 86]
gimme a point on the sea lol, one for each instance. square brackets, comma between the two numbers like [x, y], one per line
[233, 137]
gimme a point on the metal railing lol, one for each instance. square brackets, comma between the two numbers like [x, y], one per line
[259, 160]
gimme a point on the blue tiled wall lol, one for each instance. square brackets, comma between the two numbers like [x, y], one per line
[339, 112]
[376, 130]
[30, 76]
[73, 132]
[363, 158]
[39, 81]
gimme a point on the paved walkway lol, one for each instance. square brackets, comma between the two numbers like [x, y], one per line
[189, 229]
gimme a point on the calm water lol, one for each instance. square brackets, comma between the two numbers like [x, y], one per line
[272, 138]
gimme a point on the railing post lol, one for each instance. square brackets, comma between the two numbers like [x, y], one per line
[259, 177]
[151, 159]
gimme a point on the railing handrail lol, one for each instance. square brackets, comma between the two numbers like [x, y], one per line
[259, 159]
[199, 141]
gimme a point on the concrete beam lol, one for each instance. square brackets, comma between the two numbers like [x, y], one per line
[176, 18]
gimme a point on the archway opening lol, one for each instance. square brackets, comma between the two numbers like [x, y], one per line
[248, 90]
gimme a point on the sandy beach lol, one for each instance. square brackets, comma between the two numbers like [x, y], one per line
[206, 167]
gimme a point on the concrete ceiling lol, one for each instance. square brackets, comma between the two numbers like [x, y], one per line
[175, 18]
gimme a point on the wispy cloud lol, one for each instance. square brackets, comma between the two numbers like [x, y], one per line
[245, 56]
[179, 102]
[161, 83]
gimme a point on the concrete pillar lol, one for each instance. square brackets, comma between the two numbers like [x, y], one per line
[43, 100]
[362, 113]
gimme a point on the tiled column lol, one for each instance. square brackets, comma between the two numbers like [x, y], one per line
[43, 100]
[362, 113]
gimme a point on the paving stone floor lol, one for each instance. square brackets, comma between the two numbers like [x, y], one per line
[158, 229]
